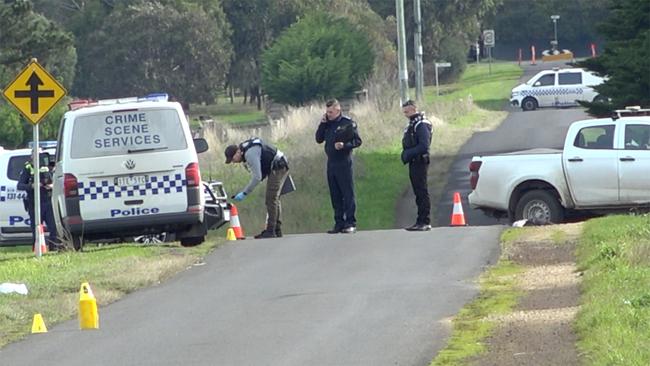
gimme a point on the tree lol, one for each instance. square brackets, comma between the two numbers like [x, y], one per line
[183, 52]
[25, 34]
[626, 59]
[318, 57]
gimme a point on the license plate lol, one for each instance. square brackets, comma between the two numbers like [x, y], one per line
[131, 180]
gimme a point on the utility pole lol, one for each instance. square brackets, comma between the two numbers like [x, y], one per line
[401, 51]
[419, 68]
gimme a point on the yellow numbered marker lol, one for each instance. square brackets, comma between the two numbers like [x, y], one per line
[88, 316]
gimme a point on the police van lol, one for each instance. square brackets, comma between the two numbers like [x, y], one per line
[14, 219]
[557, 88]
[129, 167]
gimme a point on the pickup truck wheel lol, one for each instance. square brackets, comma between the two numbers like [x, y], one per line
[540, 208]
[77, 242]
[529, 104]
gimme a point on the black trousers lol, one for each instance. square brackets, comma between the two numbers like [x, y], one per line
[47, 216]
[418, 176]
[341, 185]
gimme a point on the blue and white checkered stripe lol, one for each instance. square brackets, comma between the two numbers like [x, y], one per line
[551, 91]
[166, 184]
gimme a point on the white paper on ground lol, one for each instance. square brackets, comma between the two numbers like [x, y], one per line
[7, 288]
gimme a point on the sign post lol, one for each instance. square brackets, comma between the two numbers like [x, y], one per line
[440, 64]
[34, 92]
[488, 41]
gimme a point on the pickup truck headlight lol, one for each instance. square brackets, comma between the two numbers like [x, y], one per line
[514, 94]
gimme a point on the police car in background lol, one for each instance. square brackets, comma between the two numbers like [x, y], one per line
[556, 88]
[129, 167]
[14, 219]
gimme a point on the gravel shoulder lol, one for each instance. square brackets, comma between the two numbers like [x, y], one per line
[539, 331]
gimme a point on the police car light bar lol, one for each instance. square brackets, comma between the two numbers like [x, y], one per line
[153, 97]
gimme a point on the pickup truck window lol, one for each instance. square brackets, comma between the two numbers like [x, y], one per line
[570, 78]
[545, 80]
[637, 137]
[595, 137]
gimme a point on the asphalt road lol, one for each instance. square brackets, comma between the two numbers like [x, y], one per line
[519, 131]
[372, 298]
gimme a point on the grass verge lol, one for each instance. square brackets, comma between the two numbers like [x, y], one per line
[53, 281]
[471, 326]
[613, 323]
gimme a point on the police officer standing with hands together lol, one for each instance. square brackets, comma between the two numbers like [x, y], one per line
[340, 136]
[415, 153]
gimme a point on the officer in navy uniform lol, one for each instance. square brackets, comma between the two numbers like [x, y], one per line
[340, 136]
[263, 161]
[26, 183]
[415, 153]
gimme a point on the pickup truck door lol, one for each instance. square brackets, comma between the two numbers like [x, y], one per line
[634, 163]
[591, 166]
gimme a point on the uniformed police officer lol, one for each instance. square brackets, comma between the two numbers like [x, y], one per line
[263, 161]
[26, 183]
[340, 136]
[415, 153]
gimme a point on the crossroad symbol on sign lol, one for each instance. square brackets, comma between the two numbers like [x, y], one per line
[34, 92]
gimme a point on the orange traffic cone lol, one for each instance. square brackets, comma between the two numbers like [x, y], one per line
[234, 223]
[457, 216]
[40, 240]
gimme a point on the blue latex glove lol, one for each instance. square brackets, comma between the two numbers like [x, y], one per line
[240, 196]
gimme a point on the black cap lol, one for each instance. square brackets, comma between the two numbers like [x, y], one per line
[230, 152]
[408, 103]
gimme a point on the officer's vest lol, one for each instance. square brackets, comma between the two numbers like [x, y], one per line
[410, 138]
[268, 154]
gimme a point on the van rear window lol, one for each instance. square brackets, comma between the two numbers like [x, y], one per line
[127, 131]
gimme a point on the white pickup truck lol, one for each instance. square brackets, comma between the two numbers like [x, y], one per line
[604, 166]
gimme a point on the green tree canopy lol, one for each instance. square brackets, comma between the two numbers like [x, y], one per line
[626, 59]
[318, 57]
[147, 46]
[25, 34]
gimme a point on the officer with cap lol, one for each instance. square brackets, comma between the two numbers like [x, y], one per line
[263, 161]
[340, 136]
[26, 183]
[415, 153]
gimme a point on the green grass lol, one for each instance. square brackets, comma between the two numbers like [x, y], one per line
[53, 280]
[471, 326]
[614, 321]
[235, 113]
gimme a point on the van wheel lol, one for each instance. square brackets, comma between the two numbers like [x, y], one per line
[529, 104]
[600, 99]
[539, 208]
[192, 241]
[77, 242]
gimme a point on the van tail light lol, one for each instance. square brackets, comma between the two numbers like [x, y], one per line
[474, 166]
[193, 175]
[70, 188]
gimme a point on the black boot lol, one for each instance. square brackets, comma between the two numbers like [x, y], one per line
[266, 234]
[278, 229]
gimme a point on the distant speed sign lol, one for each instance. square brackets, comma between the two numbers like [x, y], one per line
[488, 37]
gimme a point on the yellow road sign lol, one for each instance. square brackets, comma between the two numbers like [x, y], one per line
[34, 92]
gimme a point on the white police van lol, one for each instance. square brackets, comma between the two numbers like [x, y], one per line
[14, 219]
[556, 88]
[128, 167]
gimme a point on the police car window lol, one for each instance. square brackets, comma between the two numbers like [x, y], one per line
[595, 137]
[545, 80]
[570, 78]
[120, 132]
[637, 137]
[15, 166]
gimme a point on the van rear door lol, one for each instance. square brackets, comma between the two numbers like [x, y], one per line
[130, 162]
